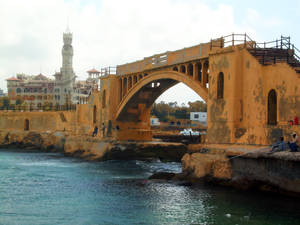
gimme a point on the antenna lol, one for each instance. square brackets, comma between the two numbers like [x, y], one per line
[68, 28]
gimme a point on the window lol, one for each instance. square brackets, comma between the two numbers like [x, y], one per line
[196, 116]
[220, 86]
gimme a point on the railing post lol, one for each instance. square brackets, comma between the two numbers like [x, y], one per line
[221, 42]
[245, 40]
[210, 44]
[232, 39]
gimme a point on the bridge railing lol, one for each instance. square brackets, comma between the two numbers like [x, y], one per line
[28, 108]
[111, 70]
[244, 39]
[232, 40]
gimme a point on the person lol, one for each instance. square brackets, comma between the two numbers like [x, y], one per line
[95, 131]
[103, 129]
[279, 146]
[294, 144]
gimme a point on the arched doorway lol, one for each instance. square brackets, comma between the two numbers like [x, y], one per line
[26, 124]
[272, 107]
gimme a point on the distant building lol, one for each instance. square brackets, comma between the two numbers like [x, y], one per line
[2, 93]
[40, 90]
[154, 121]
[199, 116]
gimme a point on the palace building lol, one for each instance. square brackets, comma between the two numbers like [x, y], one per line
[39, 90]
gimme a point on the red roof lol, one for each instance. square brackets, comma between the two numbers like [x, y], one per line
[93, 71]
[12, 79]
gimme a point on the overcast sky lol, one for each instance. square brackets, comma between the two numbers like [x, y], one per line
[114, 32]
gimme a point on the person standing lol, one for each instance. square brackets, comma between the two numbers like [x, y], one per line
[103, 129]
[95, 131]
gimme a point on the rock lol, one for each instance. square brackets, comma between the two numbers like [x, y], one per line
[199, 165]
[162, 176]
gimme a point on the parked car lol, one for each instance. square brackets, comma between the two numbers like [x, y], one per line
[189, 131]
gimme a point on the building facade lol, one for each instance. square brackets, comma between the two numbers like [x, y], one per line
[39, 90]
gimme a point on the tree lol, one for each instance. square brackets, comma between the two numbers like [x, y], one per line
[5, 102]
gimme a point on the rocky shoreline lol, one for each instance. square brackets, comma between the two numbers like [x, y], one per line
[238, 166]
[92, 148]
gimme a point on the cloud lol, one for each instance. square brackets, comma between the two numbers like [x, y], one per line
[105, 33]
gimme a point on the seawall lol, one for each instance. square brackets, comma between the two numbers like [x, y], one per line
[244, 167]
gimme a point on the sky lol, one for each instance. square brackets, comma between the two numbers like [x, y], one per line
[115, 32]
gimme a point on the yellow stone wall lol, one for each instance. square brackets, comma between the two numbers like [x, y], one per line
[241, 116]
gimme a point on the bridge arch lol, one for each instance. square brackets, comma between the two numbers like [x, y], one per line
[143, 93]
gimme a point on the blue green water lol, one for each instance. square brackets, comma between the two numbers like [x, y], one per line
[47, 188]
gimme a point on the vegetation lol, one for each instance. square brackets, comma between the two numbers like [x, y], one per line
[170, 111]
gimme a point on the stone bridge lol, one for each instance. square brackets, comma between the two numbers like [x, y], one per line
[251, 89]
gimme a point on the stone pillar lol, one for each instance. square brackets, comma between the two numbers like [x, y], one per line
[127, 87]
[195, 73]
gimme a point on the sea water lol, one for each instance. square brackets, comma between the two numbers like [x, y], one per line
[48, 188]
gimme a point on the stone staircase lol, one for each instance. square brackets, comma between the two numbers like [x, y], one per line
[269, 56]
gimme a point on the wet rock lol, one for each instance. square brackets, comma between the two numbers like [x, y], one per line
[162, 176]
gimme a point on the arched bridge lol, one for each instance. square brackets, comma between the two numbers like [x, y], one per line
[233, 74]
[142, 82]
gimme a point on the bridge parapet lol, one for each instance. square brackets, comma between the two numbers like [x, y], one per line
[170, 58]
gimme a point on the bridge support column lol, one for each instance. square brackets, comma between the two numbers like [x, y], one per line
[195, 72]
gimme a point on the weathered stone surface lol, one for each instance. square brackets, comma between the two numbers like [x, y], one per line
[199, 165]
[244, 167]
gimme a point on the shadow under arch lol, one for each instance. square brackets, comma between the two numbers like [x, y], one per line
[145, 93]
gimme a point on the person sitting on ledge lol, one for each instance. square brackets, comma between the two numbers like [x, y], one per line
[294, 144]
[279, 146]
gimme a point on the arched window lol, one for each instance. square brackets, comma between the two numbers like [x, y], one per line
[182, 69]
[190, 69]
[95, 114]
[272, 107]
[26, 124]
[220, 88]
[135, 79]
[175, 68]
[129, 82]
[125, 86]
[104, 99]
